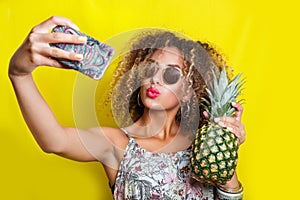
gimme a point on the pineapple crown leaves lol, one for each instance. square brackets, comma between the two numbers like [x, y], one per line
[221, 93]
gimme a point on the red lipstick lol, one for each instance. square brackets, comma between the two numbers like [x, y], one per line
[152, 92]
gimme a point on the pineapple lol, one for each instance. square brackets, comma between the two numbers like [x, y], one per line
[214, 152]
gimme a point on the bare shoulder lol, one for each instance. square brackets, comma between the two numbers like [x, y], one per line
[114, 135]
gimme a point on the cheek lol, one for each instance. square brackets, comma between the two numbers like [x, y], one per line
[171, 96]
[177, 91]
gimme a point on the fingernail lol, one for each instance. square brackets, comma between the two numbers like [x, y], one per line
[82, 38]
[78, 56]
[75, 27]
[217, 120]
[233, 103]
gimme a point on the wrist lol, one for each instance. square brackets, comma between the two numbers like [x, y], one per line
[232, 190]
[16, 75]
[232, 184]
[230, 193]
[18, 70]
[237, 189]
[17, 79]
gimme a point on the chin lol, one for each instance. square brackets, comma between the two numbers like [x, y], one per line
[154, 106]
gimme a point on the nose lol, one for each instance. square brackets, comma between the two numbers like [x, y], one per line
[156, 79]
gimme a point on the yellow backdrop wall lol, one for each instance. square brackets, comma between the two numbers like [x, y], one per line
[259, 38]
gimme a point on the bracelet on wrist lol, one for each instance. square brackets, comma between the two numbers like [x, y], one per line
[230, 193]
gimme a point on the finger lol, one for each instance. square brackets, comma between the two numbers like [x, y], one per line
[55, 52]
[41, 60]
[206, 115]
[231, 120]
[54, 63]
[234, 126]
[53, 21]
[64, 38]
[40, 48]
[45, 50]
[238, 131]
[229, 126]
[56, 38]
[240, 134]
[239, 110]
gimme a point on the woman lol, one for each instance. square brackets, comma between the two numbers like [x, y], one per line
[155, 101]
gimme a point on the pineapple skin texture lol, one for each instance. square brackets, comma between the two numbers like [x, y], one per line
[214, 155]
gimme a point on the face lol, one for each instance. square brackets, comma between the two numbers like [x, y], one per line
[163, 80]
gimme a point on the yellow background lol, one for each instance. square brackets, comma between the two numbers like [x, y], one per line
[259, 38]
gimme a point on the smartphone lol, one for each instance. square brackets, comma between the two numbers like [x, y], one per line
[96, 55]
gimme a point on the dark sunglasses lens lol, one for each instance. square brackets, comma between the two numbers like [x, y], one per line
[171, 75]
[149, 70]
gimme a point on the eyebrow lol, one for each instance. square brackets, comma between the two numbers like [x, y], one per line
[170, 65]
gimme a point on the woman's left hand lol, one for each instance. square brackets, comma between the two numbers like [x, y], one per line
[233, 124]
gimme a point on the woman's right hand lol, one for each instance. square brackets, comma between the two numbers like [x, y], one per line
[36, 51]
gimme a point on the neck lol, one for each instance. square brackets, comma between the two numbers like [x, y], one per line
[159, 123]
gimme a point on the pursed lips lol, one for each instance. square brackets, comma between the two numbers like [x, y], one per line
[152, 92]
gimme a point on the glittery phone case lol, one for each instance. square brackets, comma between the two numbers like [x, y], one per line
[96, 55]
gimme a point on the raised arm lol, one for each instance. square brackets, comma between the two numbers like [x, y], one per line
[49, 134]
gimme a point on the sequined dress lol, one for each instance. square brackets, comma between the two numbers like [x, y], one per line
[147, 175]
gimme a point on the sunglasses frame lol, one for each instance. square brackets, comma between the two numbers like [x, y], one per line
[163, 68]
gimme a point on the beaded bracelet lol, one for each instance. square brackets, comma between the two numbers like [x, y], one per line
[230, 194]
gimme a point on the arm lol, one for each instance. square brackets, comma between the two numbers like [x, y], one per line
[49, 134]
[35, 51]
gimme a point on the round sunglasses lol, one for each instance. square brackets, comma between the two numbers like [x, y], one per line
[170, 73]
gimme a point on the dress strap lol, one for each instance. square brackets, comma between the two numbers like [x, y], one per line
[126, 133]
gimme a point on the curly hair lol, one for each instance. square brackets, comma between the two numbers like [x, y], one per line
[200, 59]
